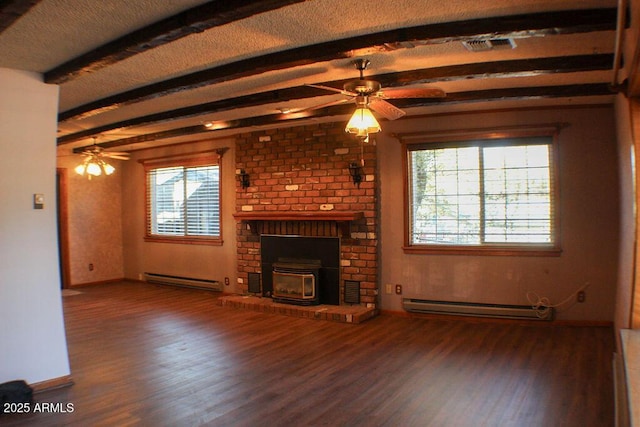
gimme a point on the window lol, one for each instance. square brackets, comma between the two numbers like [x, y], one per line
[487, 195]
[183, 201]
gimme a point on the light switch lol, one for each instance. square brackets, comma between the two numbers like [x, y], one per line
[38, 201]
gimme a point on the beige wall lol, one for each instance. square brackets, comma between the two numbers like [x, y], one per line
[627, 214]
[197, 261]
[589, 222]
[627, 311]
[634, 301]
[95, 224]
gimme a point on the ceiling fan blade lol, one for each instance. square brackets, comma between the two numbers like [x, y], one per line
[427, 92]
[117, 153]
[326, 104]
[115, 156]
[333, 89]
[387, 110]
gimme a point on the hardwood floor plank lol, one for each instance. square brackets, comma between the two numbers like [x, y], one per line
[151, 355]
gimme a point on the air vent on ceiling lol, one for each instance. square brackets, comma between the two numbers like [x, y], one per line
[489, 44]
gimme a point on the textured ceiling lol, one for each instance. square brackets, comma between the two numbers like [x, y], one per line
[54, 32]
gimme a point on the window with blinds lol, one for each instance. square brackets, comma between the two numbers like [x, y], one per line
[183, 202]
[482, 193]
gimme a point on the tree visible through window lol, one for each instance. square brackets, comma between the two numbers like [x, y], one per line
[482, 193]
[183, 202]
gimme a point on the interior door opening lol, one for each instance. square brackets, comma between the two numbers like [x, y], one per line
[62, 221]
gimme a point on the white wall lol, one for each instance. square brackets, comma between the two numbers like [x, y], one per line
[589, 206]
[33, 343]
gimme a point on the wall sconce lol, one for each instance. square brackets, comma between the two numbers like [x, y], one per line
[243, 178]
[355, 170]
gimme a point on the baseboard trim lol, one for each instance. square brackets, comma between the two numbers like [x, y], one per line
[54, 383]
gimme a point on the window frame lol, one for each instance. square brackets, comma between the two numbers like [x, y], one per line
[414, 141]
[184, 161]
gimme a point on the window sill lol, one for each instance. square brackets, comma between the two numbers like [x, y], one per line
[483, 250]
[184, 240]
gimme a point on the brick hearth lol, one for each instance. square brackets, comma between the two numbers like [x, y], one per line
[335, 313]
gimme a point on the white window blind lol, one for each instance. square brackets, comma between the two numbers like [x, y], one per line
[488, 192]
[184, 201]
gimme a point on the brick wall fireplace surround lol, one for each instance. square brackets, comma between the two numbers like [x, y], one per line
[300, 186]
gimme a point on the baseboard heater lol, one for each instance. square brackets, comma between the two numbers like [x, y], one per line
[163, 279]
[476, 309]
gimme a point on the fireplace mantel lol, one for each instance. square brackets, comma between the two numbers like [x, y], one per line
[342, 218]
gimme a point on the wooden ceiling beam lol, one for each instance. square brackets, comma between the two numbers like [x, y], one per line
[194, 20]
[12, 10]
[513, 94]
[523, 93]
[527, 25]
[497, 69]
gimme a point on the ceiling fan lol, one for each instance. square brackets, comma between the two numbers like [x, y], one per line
[369, 94]
[98, 152]
[94, 163]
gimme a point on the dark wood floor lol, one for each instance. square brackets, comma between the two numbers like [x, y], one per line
[160, 356]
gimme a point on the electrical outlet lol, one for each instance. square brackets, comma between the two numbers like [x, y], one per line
[581, 296]
[398, 289]
[226, 281]
[90, 266]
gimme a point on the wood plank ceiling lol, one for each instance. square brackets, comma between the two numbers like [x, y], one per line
[135, 75]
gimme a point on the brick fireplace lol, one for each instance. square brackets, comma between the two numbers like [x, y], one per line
[300, 186]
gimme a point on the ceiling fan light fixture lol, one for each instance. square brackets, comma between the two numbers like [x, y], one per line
[108, 169]
[81, 169]
[94, 167]
[94, 163]
[362, 122]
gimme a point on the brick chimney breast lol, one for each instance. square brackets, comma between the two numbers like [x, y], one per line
[305, 169]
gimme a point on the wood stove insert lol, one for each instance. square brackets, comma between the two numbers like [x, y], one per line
[322, 253]
[295, 281]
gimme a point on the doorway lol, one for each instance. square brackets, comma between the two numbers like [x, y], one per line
[63, 227]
